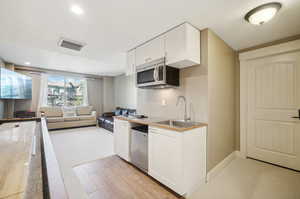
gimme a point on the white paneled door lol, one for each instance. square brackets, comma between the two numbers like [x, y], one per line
[273, 134]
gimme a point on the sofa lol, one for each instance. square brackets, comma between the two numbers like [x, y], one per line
[106, 120]
[67, 117]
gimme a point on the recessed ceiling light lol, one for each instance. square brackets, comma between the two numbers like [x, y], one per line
[76, 9]
[263, 13]
[27, 63]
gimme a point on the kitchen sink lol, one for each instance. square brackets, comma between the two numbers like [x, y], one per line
[179, 123]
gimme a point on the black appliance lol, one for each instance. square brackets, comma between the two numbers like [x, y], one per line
[157, 74]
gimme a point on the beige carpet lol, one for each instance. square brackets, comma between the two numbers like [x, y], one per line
[77, 146]
[250, 179]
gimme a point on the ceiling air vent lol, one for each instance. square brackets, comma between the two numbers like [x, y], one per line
[71, 44]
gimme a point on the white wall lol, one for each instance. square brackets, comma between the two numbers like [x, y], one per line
[221, 99]
[125, 91]
[108, 94]
[95, 94]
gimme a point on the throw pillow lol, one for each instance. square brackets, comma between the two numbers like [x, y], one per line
[118, 112]
[69, 112]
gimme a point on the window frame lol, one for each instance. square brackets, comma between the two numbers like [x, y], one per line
[64, 95]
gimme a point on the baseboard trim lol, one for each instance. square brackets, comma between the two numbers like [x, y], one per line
[224, 163]
[239, 154]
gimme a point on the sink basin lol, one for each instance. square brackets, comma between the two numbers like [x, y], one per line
[179, 123]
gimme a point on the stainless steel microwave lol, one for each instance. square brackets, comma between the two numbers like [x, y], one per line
[157, 74]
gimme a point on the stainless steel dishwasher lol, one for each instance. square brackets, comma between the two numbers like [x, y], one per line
[139, 147]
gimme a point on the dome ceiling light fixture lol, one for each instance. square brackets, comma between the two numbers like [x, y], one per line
[262, 13]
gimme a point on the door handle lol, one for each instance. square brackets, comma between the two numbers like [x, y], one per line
[156, 74]
[297, 117]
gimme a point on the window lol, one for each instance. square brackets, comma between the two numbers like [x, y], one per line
[66, 91]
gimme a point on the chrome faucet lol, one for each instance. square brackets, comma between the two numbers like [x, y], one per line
[186, 118]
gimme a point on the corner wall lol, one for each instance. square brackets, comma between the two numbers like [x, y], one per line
[108, 94]
[221, 100]
[125, 91]
[95, 94]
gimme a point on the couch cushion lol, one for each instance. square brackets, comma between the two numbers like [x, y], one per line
[55, 119]
[69, 119]
[109, 119]
[86, 117]
[118, 111]
[52, 111]
[131, 111]
[84, 110]
[69, 111]
[124, 112]
[109, 122]
[101, 119]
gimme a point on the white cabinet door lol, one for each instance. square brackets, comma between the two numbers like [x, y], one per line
[117, 139]
[165, 158]
[182, 46]
[122, 138]
[130, 62]
[150, 51]
[175, 45]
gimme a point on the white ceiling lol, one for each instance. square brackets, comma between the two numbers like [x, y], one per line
[30, 29]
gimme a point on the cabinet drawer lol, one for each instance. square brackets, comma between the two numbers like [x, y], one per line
[165, 132]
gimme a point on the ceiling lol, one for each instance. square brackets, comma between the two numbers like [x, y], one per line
[30, 29]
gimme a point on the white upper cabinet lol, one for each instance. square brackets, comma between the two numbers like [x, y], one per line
[150, 51]
[182, 46]
[130, 62]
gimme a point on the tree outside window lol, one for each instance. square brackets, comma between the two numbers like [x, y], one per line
[66, 91]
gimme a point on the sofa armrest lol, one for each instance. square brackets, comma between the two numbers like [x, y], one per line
[94, 113]
[40, 113]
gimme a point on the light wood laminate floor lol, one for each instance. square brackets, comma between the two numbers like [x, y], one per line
[113, 178]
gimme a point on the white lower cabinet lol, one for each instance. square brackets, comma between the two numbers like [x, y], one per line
[122, 138]
[178, 159]
[164, 164]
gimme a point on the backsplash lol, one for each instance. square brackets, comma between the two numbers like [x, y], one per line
[162, 102]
